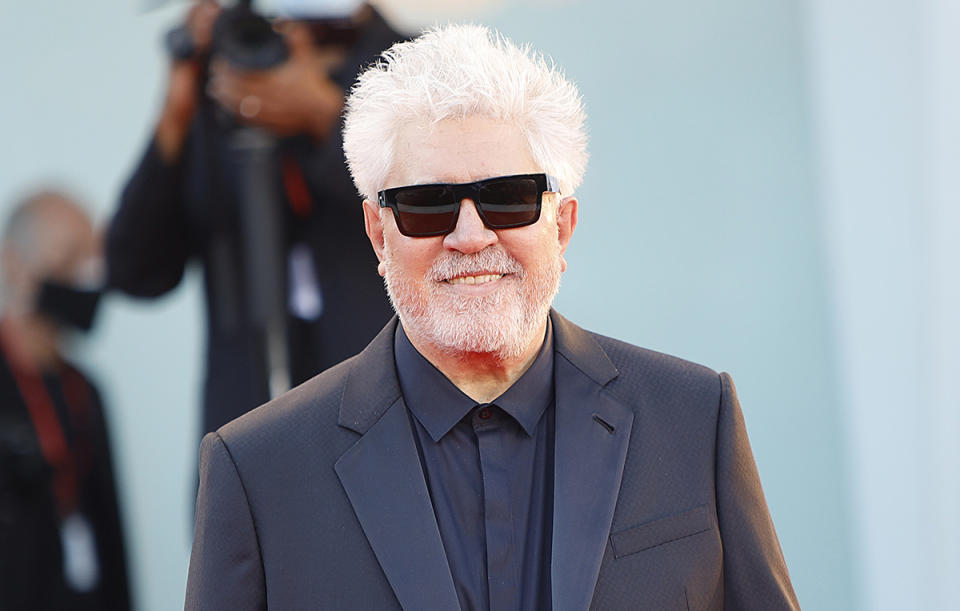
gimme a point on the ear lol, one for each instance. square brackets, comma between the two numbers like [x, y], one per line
[373, 224]
[566, 223]
[20, 285]
[14, 268]
[8, 260]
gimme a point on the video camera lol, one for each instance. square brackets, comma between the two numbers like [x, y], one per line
[247, 39]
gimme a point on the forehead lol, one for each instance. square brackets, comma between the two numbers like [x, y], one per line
[459, 150]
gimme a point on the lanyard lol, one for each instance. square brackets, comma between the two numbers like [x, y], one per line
[67, 462]
[295, 186]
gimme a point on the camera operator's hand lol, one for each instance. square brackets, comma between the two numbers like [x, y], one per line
[183, 82]
[293, 98]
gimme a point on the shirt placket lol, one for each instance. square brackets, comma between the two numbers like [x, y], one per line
[502, 572]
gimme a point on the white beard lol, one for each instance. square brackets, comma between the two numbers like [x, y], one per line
[504, 322]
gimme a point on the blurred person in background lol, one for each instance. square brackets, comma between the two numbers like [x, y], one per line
[244, 172]
[61, 540]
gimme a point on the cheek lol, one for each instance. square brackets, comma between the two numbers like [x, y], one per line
[411, 256]
[530, 248]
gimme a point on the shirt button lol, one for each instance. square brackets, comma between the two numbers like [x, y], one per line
[484, 413]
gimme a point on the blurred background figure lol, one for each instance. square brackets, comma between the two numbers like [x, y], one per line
[245, 174]
[61, 541]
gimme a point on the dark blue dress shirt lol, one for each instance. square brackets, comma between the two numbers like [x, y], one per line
[489, 470]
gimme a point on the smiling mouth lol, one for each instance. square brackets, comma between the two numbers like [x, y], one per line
[480, 279]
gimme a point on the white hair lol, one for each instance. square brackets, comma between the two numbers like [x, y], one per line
[457, 71]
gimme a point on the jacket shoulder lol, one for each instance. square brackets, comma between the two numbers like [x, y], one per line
[664, 379]
[291, 419]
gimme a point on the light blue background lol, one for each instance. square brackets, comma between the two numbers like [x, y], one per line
[750, 204]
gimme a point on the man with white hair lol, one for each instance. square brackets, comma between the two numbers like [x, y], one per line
[483, 452]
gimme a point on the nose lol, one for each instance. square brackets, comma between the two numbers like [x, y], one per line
[470, 234]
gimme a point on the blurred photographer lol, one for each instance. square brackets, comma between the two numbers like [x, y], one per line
[61, 541]
[245, 173]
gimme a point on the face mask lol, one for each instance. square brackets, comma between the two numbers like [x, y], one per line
[68, 305]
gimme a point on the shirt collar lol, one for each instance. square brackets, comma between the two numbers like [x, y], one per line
[438, 404]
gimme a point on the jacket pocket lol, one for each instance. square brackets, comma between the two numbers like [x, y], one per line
[645, 536]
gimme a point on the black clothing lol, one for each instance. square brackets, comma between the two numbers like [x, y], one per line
[318, 499]
[489, 470]
[172, 214]
[31, 558]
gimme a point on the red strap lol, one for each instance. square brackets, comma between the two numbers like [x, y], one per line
[295, 186]
[53, 442]
[79, 397]
[66, 462]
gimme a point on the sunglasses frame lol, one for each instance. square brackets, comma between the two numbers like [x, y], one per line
[546, 183]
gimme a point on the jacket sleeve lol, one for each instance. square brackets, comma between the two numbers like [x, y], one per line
[148, 239]
[226, 570]
[755, 574]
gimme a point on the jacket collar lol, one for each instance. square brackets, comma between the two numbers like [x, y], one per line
[372, 385]
[583, 352]
[592, 436]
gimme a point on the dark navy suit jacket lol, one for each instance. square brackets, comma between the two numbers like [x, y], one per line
[317, 500]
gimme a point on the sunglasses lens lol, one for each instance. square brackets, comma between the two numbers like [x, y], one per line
[426, 210]
[429, 210]
[511, 202]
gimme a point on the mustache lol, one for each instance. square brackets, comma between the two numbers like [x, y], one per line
[491, 260]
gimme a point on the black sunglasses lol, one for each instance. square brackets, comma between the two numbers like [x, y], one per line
[503, 202]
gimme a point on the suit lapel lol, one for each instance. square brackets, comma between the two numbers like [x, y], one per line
[591, 440]
[384, 481]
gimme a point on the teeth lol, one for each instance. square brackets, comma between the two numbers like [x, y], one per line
[475, 279]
